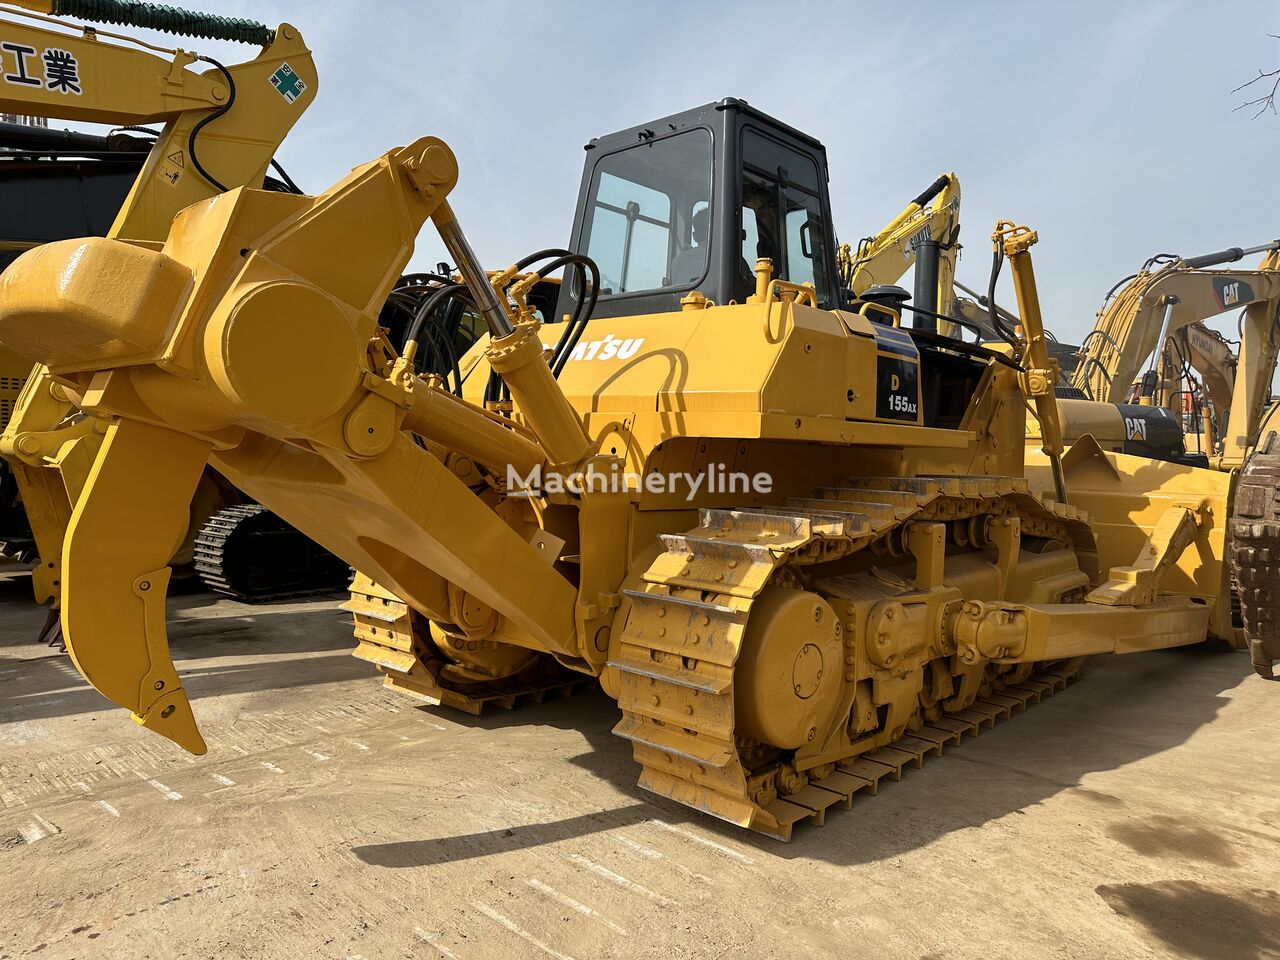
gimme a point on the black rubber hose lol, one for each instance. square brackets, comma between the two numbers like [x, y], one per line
[573, 333]
[439, 356]
[577, 323]
[1009, 337]
[932, 191]
[425, 309]
[288, 180]
[933, 314]
[1117, 286]
[543, 255]
[191, 140]
[156, 16]
[429, 303]
[579, 277]
[415, 281]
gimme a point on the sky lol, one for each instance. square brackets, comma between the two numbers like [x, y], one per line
[1109, 128]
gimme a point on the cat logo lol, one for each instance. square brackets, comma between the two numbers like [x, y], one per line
[1230, 292]
[1135, 428]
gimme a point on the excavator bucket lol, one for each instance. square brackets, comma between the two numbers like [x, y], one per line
[134, 509]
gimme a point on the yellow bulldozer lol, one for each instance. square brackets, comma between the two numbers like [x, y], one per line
[801, 545]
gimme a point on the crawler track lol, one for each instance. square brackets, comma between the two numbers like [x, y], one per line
[681, 644]
[391, 637]
[247, 552]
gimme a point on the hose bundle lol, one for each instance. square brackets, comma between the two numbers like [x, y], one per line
[175, 20]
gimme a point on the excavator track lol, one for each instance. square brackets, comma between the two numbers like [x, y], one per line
[247, 552]
[396, 640]
[1255, 551]
[684, 634]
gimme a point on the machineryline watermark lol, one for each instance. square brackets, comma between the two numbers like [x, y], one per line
[715, 478]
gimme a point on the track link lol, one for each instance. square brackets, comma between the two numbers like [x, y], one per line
[247, 552]
[391, 636]
[1255, 551]
[684, 633]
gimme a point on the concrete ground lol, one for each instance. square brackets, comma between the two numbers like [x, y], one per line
[1136, 814]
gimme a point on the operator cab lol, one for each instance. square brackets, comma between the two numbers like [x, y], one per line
[689, 202]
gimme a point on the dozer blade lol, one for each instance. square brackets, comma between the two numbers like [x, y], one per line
[124, 529]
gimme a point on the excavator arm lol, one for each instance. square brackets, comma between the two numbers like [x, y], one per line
[1209, 356]
[222, 128]
[1157, 306]
[1255, 367]
[923, 235]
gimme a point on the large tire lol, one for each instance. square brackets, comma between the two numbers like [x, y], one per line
[1255, 554]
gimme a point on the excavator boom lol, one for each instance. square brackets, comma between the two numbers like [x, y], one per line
[924, 235]
[1160, 308]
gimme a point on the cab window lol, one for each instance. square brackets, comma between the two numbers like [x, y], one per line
[648, 215]
[782, 216]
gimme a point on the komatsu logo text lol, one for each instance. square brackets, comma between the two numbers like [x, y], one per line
[609, 348]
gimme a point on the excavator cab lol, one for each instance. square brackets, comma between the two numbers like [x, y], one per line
[690, 202]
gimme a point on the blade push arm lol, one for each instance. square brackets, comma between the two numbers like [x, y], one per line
[1041, 371]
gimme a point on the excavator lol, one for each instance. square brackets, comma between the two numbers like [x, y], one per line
[221, 128]
[1194, 379]
[926, 235]
[1154, 318]
[1171, 376]
[796, 542]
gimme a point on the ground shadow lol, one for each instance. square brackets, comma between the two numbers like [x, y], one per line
[252, 651]
[1200, 921]
[1122, 710]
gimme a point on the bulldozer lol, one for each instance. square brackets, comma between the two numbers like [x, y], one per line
[801, 545]
[221, 128]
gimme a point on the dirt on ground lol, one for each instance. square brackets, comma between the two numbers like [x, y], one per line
[1135, 814]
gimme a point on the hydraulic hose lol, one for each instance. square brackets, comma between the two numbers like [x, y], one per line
[441, 342]
[993, 312]
[578, 322]
[932, 190]
[191, 140]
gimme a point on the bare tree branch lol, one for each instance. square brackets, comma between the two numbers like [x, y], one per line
[1267, 101]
